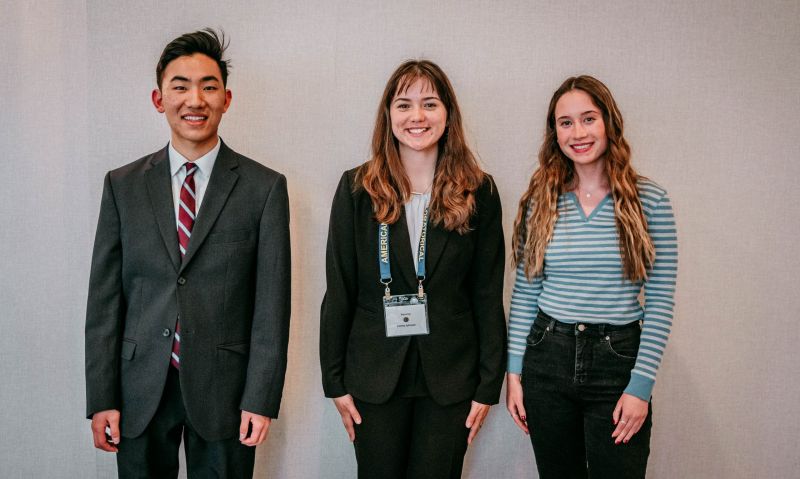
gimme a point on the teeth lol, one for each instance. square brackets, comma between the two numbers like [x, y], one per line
[416, 131]
[581, 147]
[194, 118]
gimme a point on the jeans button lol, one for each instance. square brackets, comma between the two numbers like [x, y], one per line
[581, 327]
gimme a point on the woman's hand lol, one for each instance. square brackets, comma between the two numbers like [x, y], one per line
[347, 409]
[629, 415]
[514, 401]
[477, 414]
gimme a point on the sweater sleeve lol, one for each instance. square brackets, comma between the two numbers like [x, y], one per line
[659, 292]
[524, 307]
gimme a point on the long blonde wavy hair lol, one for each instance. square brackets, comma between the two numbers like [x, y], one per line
[457, 175]
[556, 175]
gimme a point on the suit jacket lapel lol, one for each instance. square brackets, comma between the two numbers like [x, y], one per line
[159, 189]
[220, 184]
[400, 244]
[437, 240]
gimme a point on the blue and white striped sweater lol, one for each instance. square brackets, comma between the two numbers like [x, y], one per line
[583, 281]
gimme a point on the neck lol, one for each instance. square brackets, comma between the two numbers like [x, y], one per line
[191, 150]
[420, 167]
[591, 177]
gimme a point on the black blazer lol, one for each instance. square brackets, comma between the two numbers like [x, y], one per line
[231, 293]
[463, 357]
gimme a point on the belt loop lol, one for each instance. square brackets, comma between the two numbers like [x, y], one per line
[602, 329]
[552, 325]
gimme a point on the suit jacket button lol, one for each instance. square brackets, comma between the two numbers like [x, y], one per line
[165, 333]
[181, 281]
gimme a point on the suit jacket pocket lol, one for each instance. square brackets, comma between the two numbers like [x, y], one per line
[240, 347]
[128, 347]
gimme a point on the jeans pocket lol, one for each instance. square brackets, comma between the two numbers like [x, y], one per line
[537, 335]
[623, 344]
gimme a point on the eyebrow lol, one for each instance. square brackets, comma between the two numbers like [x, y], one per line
[402, 98]
[204, 79]
[582, 114]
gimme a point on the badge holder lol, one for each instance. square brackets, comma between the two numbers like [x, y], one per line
[405, 314]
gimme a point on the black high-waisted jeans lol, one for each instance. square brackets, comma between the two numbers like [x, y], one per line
[572, 377]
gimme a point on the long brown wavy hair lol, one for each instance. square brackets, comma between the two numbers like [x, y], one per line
[556, 175]
[457, 173]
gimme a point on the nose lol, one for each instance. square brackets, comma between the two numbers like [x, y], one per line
[417, 114]
[580, 130]
[195, 98]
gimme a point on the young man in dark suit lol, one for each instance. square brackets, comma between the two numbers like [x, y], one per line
[187, 322]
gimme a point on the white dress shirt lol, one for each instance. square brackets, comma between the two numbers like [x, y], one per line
[204, 166]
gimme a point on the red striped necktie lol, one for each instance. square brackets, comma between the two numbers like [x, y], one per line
[186, 213]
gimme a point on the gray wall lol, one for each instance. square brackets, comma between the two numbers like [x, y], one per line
[710, 94]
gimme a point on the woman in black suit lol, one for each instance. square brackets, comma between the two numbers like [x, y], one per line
[412, 329]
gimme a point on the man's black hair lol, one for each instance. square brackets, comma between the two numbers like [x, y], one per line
[206, 41]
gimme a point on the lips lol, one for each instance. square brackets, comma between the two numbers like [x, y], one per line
[581, 147]
[417, 131]
[194, 118]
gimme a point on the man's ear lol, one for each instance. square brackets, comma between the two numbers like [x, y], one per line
[228, 98]
[158, 102]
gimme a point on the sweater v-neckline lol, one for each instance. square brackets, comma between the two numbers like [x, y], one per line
[587, 218]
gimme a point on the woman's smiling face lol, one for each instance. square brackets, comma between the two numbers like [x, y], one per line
[418, 117]
[580, 129]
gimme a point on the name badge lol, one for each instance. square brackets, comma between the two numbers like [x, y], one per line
[406, 315]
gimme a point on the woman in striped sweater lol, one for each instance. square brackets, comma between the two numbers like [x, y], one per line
[590, 236]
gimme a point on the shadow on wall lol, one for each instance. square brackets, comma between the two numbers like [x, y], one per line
[303, 403]
[500, 433]
[683, 422]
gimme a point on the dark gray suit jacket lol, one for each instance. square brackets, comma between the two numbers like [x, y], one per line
[463, 357]
[231, 293]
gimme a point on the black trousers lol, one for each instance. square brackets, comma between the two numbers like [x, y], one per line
[411, 437]
[154, 454]
[572, 377]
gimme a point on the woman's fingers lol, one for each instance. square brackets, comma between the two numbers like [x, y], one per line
[629, 415]
[477, 414]
[350, 415]
[514, 402]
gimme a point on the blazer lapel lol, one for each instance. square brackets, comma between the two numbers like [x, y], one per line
[159, 189]
[401, 251]
[219, 188]
[437, 240]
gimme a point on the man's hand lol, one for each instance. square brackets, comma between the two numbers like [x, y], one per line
[258, 426]
[102, 420]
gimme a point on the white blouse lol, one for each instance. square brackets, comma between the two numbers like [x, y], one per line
[415, 210]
